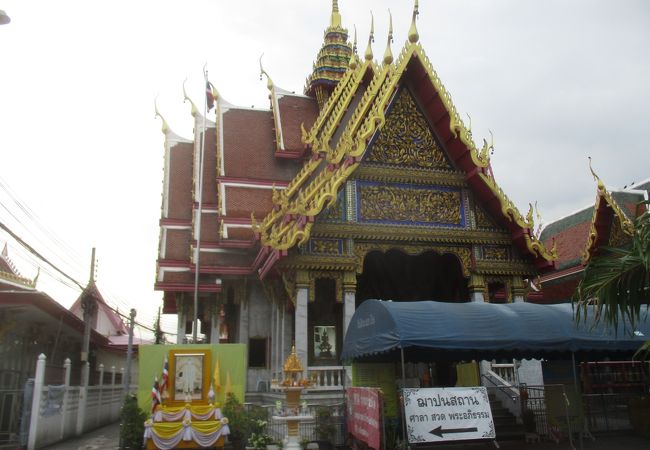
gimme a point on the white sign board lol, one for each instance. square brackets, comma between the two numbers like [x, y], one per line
[448, 414]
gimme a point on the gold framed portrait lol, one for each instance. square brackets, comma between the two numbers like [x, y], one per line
[190, 376]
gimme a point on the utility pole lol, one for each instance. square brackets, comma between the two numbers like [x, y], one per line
[129, 352]
[89, 306]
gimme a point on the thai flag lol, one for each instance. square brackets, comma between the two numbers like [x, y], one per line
[155, 395]
[209, 95]
[165, 377]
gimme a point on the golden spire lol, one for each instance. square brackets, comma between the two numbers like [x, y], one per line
[413, 31]
[165, 127]
[371, 38]
[353, 58]
[388, 54]
[335, 21]
[269, 82]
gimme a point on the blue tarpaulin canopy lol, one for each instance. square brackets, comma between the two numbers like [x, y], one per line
[525, 328]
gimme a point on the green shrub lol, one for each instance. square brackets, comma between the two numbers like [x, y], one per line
[132, 424]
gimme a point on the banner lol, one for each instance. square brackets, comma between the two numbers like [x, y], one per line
[364, 417]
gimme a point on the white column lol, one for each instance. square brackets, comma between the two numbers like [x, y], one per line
[36, 401]
[301, 325]
[64, 405]
[101, 391]
[519, 299]
[83, 399]
[180, 328]
[349, 307]
[215, 322]
[477, 296]
[278, 340]
[283, 344]
[243, 321]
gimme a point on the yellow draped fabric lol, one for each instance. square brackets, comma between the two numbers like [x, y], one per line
[196, 409]
[168, 430]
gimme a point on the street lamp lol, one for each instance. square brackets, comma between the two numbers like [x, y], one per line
[4, 18]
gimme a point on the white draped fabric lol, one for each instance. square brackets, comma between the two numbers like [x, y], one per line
[204, 434]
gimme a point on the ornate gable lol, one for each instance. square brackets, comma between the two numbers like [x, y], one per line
[384, 129]
[406, 138]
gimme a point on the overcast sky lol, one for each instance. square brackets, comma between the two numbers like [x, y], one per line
[555, 81]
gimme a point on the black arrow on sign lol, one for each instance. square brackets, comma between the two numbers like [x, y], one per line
[440, 431]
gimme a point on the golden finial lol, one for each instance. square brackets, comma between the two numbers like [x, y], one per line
[353, 57]
[601, 185]
[165, 127]
[269, 82]
[371, 38]
[388, 54]
[186, 98]
[335, 22]
[413, 31]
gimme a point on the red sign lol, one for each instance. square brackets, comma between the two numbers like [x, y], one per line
[364, 420]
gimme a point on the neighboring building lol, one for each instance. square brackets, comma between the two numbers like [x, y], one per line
[580, 235]
[31, 323]
[368, 186]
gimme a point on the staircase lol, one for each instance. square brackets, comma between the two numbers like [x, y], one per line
[505, 423]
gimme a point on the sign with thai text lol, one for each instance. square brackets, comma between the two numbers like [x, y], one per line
[447, 414]
[364, 417]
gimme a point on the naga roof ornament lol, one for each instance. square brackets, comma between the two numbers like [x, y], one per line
[165, 125]
[371, 38]
[388, 54]
[186, 98]
[354, 58]
[413, 31]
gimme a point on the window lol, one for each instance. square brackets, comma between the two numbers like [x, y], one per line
[257, 352]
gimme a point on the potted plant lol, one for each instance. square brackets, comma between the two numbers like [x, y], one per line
[325, 428]
[238, 421]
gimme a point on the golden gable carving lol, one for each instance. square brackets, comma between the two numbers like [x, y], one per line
[406, 138]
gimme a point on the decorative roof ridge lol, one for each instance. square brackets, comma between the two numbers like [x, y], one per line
[645, 182]
[602, 193]
[17, 280]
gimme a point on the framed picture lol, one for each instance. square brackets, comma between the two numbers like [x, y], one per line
[325, 342]
[190, 376]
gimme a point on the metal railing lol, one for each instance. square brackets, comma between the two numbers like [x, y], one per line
[308, 429]
[608, 412]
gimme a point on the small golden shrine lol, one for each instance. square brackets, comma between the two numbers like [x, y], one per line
[292, 385]
[293, 371]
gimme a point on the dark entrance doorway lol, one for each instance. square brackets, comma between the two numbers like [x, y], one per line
[397, 276]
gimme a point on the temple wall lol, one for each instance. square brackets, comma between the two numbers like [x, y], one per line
[259, 326]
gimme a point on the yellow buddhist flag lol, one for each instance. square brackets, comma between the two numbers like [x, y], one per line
[217, 376]
[228, 389]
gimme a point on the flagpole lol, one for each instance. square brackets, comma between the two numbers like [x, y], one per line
[200, 215]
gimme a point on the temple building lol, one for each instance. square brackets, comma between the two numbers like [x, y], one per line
[581, 235]
[368, 186]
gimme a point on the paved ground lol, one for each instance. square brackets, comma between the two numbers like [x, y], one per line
[104, 438]
[107, 438]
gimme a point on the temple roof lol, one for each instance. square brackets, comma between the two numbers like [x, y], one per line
[336, 156]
